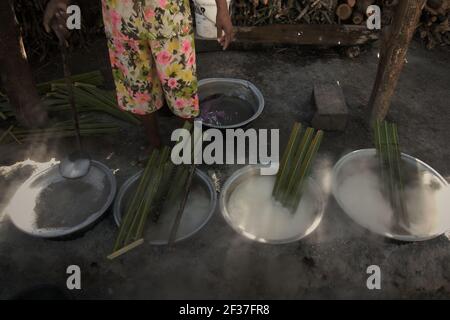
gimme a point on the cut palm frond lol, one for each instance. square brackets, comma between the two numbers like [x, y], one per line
[296, 166]
[135, 203]
[285, 161]
[297, 192]
[156, 193]
[389, 156]
[88, 98]
[88, 127]
[93, 78]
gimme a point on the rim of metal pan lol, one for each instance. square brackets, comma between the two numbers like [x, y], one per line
[247, 84]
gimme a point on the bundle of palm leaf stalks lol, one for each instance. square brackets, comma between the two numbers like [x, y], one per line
[295, 166]
[88, 98]
[389, 156]
[94, 78]
[89, 126]
[154, 195]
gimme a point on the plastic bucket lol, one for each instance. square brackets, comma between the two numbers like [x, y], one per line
[205, 18]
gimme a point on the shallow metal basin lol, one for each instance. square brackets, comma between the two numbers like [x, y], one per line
[311, 222]
[192, 221]
[359, 160]
[82, 202]
[233, 87]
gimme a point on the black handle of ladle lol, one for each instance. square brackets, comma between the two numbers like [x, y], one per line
[69, 83]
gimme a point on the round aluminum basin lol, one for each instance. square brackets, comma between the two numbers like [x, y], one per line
[200, 207]
[230, 115]
[297, 230]
[423, 224]
[49, 206]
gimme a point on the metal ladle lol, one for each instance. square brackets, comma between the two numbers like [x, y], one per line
[77, 164]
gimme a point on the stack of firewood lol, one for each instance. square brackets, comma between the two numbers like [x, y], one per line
[355, 11]
[434, 27]
[262, 12]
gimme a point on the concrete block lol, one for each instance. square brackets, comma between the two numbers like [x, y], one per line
[331, 110]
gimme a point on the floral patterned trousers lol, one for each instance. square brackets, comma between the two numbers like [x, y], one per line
[152, 54]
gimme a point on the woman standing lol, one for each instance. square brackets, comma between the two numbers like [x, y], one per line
[152, 54]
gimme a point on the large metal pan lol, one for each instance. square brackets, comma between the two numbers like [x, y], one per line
[49, 206]
[363, 160]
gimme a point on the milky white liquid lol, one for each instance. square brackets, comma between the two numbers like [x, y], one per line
[427, 208]
[195, 214]
[253, 211]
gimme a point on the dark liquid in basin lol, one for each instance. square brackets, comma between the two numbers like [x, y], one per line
[220, 109]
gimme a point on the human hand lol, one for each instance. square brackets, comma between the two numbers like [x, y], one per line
[225, 32]
[55, 18]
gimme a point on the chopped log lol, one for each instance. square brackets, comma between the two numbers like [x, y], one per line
[357, 18]
[393, 55]
[328, 35]
[344, 11]
[351, 3]
[434, 27]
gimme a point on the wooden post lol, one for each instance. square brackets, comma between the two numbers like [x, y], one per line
[307, 34]
[15, 73]
[393, 55]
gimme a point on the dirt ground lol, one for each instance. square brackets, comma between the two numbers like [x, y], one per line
[217, 263]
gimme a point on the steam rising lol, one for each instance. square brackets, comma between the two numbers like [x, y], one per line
[254, 212]
[427, 201]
